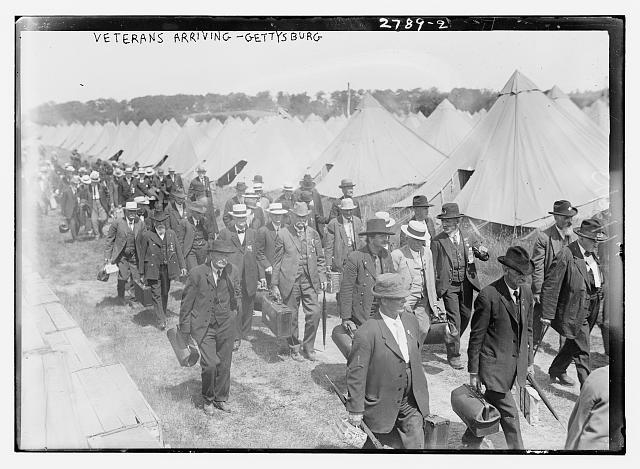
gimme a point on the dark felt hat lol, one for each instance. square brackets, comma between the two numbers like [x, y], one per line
[390, 285]
[159, 216]
[376, 226]
[564, 208]
[178, 194]
[307, 182]
[591, 228]
[517, 258]
[306, 196]
[222, 246]
[450, 210]
[420, 201]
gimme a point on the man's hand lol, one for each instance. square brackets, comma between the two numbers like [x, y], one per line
[475, 382]
[183, 272]
[536, 298]
[355, 419]
[531, 371]
[275, 291]
[545, 321]
[269, 270]
[323, 286]
[350, 325]
[142, 281]
[262, 284]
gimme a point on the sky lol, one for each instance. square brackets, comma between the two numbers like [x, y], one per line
[65, 66]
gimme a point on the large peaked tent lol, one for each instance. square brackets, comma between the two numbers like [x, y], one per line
[445, 127]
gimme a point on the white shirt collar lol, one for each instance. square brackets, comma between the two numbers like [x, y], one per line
[455, 235]
[396, 325]
[512, 290]
[562, 235]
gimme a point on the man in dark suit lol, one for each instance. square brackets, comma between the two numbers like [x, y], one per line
[177, 216]
[420, 207]
[547, 245]
[196, 236]
[210, 299]
[359, 274]
[346, 185]
[307, 184]
[227, 219]
[266, 242]
[456, 276]
[160, 261]
[173, 181]
[99, 203]
[199, 186]
[387, 387]
[501, 342]
[299, 276]
[142, 184]
[316, 220]
[256, 218]
[70, 206]
[127, 187]
[571, 295]
[243, 239]
[286, 198]
[122, 248]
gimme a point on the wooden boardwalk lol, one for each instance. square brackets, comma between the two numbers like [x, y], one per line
[69, 399]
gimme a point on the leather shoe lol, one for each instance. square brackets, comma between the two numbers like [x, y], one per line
[209, 409]
[311, 356]
[223, 406]
[236, 345]
[163, 325]
[455, 363]
[563, 379]
[295, 355]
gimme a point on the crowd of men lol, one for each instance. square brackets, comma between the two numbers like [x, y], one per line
[163, 229]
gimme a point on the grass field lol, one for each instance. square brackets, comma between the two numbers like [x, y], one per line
[277, 402]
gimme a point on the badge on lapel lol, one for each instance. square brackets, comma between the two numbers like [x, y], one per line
[250, 248]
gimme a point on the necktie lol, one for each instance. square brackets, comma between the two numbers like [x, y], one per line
[516, 295]
[588, 254]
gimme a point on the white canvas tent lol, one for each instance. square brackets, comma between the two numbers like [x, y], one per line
[445, 127]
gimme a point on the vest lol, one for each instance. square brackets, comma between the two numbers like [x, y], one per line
[458, 262]
[130, 244]
[303, 258]
[165, 256]
[199, 234]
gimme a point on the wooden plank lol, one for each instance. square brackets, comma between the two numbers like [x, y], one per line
[135, 437]
[31, 338]
[130, 393]
[59, 342]
[60, 316]
[88, 419]
[83, 349]
[32, 403]
[101, 401]
[43, 322]
[63, 430]
[40, 293]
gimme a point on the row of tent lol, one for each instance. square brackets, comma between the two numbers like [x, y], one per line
[506, 165]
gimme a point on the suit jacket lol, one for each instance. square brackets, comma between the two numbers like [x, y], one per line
[228, 219]
[565, 289]
[141, 187]
[197, 190]
[171, 185]
[317, 201]
[103, 193]
[151, 255]
[413, 274]
[176, 221]
[431, 228]
[443, 251]
[547, 246]
[69, 203]
[376, 373]
[188, 225]
[126, 190]
[244, 258]
[501, 338]
[335, 209]
[287, 257]
[358, 279]
[258, 218]
[205, 302]
[335, 242]
[266, 246]
[117, 238]
[287, 204]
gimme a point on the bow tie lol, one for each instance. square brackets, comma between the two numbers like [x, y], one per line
[240, 231]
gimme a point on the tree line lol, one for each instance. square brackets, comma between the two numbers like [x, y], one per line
[203, 107]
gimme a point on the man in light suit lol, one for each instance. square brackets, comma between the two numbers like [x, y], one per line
[199, 186]
[266, 242]
[386, 384]
[243, 239]
[342, 235]
[456, 276]
[299, 276]
[173, 181]
[501, 342]
[547, 245]
[122, 248]
[415, 264]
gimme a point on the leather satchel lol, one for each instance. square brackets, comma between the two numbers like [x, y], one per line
[470, 405]
[103, 276]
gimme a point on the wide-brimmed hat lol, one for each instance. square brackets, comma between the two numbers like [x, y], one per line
[563, 208]
[287, 186]
[415, 230]
[133, 206]
[517, 258]
[82, 169]
[450, 210]
[70, 168]
[251, 194]
[275, 208]
[160, 171]
[222, 246]
[376, 226]
[75, 179]
[240, 211]
[390, 285]
[591, 228]
[307, 182]
[118, 172]
[141, 170]
[306, 196]
[257, 186]
[85, 179]
[300, 209]
[178, 194]
[197, 207]
[95, 176]
[420, 201]
[141, 200]
[171, 169]
[128, 169]
[159, 216]
[346, 183]
[347, 204]
[389, 222]
[201, 169]
[149, 172]
[241, 186]
[257, 178]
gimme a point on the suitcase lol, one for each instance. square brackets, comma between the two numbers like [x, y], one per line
[277, 317]
[143, 294]
[436, 432]
[186, 353]
[436, 333]
[259, 301]
[333, 282]
[481, 417]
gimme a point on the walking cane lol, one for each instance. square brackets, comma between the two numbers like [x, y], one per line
[324, 319]
[544, 331]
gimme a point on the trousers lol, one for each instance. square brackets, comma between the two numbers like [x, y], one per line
[421, 310]
[197, 256]
[160, 292]
[127, 273]
[303, 293]
[509, 421]
[98, 217]
[244, 318]
[408, 431]
[216, 349]
[458, 300]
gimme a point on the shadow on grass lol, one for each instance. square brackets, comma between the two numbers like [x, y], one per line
[267, 347]
[336, 373]
[187, 391]
[146, 317]
[457, 429]
[566, 393]
[428, 355]
[110, 301]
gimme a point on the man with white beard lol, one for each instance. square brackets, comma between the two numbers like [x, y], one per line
[547, 246]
